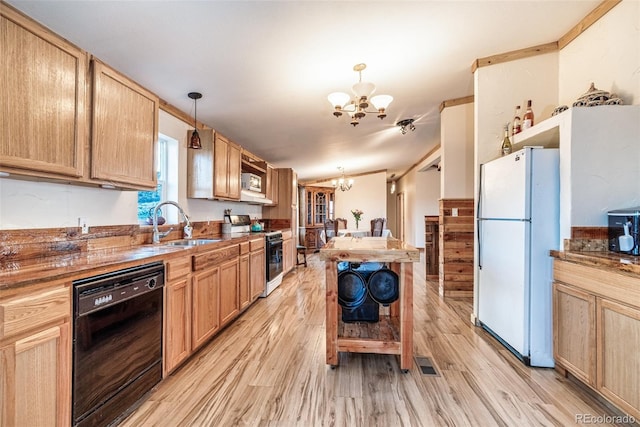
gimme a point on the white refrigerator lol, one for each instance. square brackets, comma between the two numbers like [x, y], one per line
[518, 223]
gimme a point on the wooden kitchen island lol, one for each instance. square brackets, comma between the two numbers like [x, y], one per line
[393, 333]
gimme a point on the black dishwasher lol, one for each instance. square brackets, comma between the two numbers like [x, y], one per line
[117, 342]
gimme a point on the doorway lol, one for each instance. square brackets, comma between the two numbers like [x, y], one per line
[400, 215]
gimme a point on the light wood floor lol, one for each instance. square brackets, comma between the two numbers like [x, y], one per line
[268, 369]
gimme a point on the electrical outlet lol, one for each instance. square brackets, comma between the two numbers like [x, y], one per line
[454, 211]
[83, 224]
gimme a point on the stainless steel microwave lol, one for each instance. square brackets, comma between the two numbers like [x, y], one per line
[251, 182]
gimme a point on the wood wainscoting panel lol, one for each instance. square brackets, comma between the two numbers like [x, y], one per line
[456, 247]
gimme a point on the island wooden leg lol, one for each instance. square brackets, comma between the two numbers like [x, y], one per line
[406, 316]
[331, 300]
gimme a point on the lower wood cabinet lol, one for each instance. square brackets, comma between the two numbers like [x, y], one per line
[288, 254]
[574, 337]
[257, 269]
[177, 323]
[618, 354]
[205, 314]
[229, 291]
[244, 274]
[35, 358]
[206, 291]
[596, 330]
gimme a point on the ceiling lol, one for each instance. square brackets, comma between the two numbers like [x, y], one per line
[265, 68]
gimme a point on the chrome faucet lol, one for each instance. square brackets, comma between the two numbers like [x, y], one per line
[157, 235]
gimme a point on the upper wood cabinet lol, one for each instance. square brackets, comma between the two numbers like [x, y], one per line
[124, 130]
[45, 93]
[226, 168]
[214, 170]
[272, 185]
[42, 106]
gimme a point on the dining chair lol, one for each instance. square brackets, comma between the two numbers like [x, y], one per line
[341, 224]
[330, 229]
[377, 225]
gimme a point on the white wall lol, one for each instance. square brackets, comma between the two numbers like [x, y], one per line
[33, 204]
[197, 209]
[421, 190]
[369, 194]
[497, 91]
[456, 146]
[607, 54]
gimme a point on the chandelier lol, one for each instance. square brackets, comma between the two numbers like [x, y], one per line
[357, 107]
[342, 183]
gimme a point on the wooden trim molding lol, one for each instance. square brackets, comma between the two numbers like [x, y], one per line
[456, 101]
[324, 180]
[587, 21]
[415, 165]
[180, 115]
[514, 55]
[571, 35]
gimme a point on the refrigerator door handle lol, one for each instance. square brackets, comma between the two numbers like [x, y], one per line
[479, 221]
[479, 244]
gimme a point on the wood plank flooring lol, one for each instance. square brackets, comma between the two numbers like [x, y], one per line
[268, 369]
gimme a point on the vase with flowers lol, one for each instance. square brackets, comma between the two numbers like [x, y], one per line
[357, 215]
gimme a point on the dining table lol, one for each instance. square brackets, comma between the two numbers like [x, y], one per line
[353, 232]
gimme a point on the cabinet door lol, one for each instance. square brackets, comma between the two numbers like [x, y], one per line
[40, 72]
[36, 379]
[272, 185]
[234, 171]
[220, 167]
[287, 255]
[574, 331]
[244, 284]
[124, 130]
[229, 292]
[258, 273]
[619, 354]
[205, 296]
[177, 330]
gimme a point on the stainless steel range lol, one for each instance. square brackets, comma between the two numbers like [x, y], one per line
[273, 250]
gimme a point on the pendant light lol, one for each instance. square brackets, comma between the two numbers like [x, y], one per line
[194, 142]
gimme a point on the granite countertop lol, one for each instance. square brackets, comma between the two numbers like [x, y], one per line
[20, 273]
[363, 249]
[609, 260]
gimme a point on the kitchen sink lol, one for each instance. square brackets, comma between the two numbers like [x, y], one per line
[192, 242]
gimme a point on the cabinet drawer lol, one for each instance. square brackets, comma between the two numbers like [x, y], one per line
[177, 268]
[33, 310]
[256, 244]
[244, 248]
[212, 258]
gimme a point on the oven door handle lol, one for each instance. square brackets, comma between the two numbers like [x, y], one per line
[275, 243]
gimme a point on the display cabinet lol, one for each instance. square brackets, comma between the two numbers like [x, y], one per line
[319, 205]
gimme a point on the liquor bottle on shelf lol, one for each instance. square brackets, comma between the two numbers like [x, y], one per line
[527, 119]
[506, 143]
[516, 127]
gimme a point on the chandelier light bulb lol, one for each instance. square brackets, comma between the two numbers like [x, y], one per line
[342, 183]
